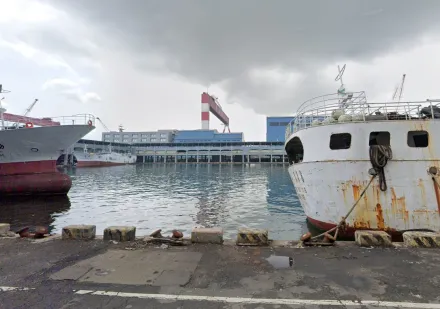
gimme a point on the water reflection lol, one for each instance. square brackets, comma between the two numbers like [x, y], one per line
[31, 211]
[179, 196]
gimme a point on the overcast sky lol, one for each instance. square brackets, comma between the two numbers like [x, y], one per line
[144, 64]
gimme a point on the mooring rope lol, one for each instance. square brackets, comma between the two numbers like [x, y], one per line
[379, 156]
[342, 222]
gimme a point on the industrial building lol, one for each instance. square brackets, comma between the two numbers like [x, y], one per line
[203, 145]
[209, 104]
[231, 152]
[207, 136]
[276, 128]
[160, 136]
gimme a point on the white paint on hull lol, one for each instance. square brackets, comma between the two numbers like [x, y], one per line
[39, 143]
[328, 182]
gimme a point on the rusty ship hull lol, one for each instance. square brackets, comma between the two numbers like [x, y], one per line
[329, 177]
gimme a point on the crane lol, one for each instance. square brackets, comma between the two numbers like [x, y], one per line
[102, 123]
[399, 89]
[28, 110]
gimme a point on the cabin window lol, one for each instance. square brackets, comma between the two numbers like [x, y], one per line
[418, 139]
[382, 138]
[340, 141]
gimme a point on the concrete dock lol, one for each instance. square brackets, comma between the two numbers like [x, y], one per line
[105, 274]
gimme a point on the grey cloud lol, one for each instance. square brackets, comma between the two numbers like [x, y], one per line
[220, 42]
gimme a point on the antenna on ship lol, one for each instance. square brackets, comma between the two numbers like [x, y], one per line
[341, 90]
[344, 97]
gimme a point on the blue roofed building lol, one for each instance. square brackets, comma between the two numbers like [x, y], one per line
[207, 136]
[276, 128]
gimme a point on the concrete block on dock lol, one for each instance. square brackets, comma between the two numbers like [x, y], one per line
[79, 232]
[120, 233]
[373, 239]
[207, 235]
[4, 229]
[421, 239]
[252, 237]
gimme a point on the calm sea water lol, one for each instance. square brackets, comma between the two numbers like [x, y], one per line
[169, 197]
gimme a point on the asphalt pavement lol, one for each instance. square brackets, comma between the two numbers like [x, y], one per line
[98, 274]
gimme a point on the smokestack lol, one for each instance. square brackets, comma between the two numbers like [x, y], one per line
[205, 110]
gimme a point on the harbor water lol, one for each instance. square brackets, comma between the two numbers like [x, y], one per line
[167, 197]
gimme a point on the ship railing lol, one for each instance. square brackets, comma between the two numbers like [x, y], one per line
[336, 108]
[13, 121]
[78, 119]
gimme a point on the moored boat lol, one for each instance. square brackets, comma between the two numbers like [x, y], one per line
[28, 152]
[383, 156]
[98, 159]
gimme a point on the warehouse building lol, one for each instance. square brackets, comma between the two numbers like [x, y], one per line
[172, 136]
[207, 136]
[276, 128]
[160, 136]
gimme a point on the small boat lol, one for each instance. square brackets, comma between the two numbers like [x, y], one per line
[106, 158]
[366, 165]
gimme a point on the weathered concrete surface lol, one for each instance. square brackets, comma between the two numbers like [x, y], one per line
[252, 237]
[89, 274]
[421, 239]
[373, 239]
[120, 233]
[207, 235]
[79, 232]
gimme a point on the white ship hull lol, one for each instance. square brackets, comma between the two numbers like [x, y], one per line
[103, 159]
[28, 158]
[327, 187]
[36, 150]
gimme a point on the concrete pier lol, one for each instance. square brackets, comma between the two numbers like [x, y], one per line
[103, 274]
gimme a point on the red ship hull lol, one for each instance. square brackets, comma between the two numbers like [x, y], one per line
[33, 178]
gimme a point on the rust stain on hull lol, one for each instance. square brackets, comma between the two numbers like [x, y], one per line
[379, 217]
[398, 206]
[356, 192]
[437, 193]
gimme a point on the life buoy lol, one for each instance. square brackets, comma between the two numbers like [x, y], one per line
[29, 125]
[90, 123]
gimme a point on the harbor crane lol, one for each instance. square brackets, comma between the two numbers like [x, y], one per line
[29, 109]
[102, 123]
[399, 89]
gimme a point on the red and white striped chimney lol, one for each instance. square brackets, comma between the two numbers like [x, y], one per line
[206, 98]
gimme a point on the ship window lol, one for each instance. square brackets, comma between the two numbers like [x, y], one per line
[274, 124]
[418, 139]
[380, 138]
[340, 141]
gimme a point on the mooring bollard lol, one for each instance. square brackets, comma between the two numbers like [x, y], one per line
[79, 232]
[252, 237]
[418, 239]
[5, 229]
[120, 233]
[372, 238]
[207, 235]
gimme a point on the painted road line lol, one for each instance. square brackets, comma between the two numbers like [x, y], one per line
[14, 288]
[261, 301]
